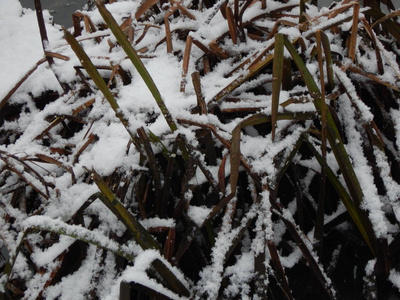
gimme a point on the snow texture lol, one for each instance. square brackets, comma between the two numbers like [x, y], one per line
[103, 142]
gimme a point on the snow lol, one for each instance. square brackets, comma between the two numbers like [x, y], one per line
[92, 236]
[240, 275]
[371, 201]
[394, 278]
[138, 274]
[393, 188]
[113, 140]
[395, 115]
[21, 50]
[76, 287]
[18, 29]
[211, 275]
[157, 222]
[198, 214]
[42, 258]
[263, 225]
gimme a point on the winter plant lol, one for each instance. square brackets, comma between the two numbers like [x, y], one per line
[214, 149]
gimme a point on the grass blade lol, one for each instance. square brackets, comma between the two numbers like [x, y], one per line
[302, 6]
[356, 213]
[333, 135]
[153, 166]
[335, 142]
[301, 242]
[144, 7]
[185, 63]
[386, 17]
[19, 83]
[372, 35]
[277, 70]
[98, 80]
[319, 223]
[328, 57]
[388, 25]
[231, 24]
[280, 272]
[133, 56]
[201, 104]
[354, 31]
[77, 232]
[283, 163]
[45, 41]
[141, 235]
[258, 64]
[235, 156]
[13, 255]
[373, 77]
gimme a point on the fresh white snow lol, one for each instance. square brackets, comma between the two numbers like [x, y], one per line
[21, 50]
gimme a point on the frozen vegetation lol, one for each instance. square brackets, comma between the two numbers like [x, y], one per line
[201, 150]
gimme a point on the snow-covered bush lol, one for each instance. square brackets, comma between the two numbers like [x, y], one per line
[206, 150]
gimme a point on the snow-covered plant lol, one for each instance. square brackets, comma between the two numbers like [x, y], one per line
[206, 150]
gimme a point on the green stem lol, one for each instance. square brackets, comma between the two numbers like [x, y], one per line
[134, 57]
[98, 80]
